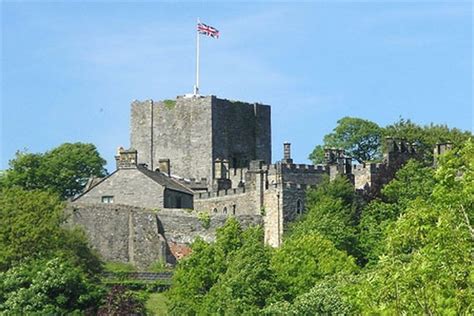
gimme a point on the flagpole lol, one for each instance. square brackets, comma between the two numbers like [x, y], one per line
[196, 87]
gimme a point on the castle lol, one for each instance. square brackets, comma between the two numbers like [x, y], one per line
[194, 162]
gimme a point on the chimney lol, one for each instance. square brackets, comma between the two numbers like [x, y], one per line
[287, 153]
[126, 159]
[165, 166]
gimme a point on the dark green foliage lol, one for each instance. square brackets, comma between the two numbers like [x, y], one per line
[119, 301]
[47, 287]
[64, 170]
[360, 138]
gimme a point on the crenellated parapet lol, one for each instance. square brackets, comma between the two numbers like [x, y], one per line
[219, 193]
[303, 168]
[398, 151]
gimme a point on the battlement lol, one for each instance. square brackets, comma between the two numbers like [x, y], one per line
[220, 193]
[368, 167]
[399, 145]
[303, 168]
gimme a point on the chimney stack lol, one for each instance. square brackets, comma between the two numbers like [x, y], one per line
[287, 153]
[126, 159]
[165, 166]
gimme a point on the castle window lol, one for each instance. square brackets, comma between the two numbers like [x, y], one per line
[107, 199]
[233, 209]
[224, 210]
[215, 210]
[299, 207]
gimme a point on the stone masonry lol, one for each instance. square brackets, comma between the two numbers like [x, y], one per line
[194, 132]
[204, 157]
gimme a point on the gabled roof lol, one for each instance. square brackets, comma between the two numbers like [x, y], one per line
[156, 176]
[164, 180]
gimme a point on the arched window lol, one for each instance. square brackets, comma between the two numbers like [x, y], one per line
[224, 210]
[215, 210]
[299, 207]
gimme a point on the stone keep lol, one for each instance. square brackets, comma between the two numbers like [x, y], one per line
[193, 132]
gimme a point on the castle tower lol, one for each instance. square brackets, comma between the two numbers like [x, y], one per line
[193, 132]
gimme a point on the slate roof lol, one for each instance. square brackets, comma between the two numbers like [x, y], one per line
[164, 180]
[156, 176]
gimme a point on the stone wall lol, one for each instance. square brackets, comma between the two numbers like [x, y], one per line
[176, 129]
[273, 217]
[294, 202]
[241, 132]
[233, 204]
[120, 233]
[183, 227]
[193, 132]
[140, 236]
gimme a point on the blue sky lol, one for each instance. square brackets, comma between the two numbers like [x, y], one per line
[70, 70]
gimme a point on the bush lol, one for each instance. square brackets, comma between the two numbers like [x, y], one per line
[119, 301]
[53, 286]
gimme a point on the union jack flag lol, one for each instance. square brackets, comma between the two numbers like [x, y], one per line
[207, 30]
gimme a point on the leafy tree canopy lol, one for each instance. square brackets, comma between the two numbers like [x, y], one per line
[64, 169]
[362, 139]
[232, 275]
[47, 287]
[30, 227]
[427, 136]
[331, 211]
[304, 260]
[358, 137]
[413, 181]
[427, 266]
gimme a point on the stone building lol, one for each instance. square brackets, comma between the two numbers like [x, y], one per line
[136, 185]
[194, 162]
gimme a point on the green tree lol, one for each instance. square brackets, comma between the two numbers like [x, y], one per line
[64, 169]
[358, 137]
[200, 271]
[412, 181]
[326, 297]
[248, 284]
[428, 263]
[30, 227]
[332, 212]
[47, 287]
[427, 136]
[304, 260]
